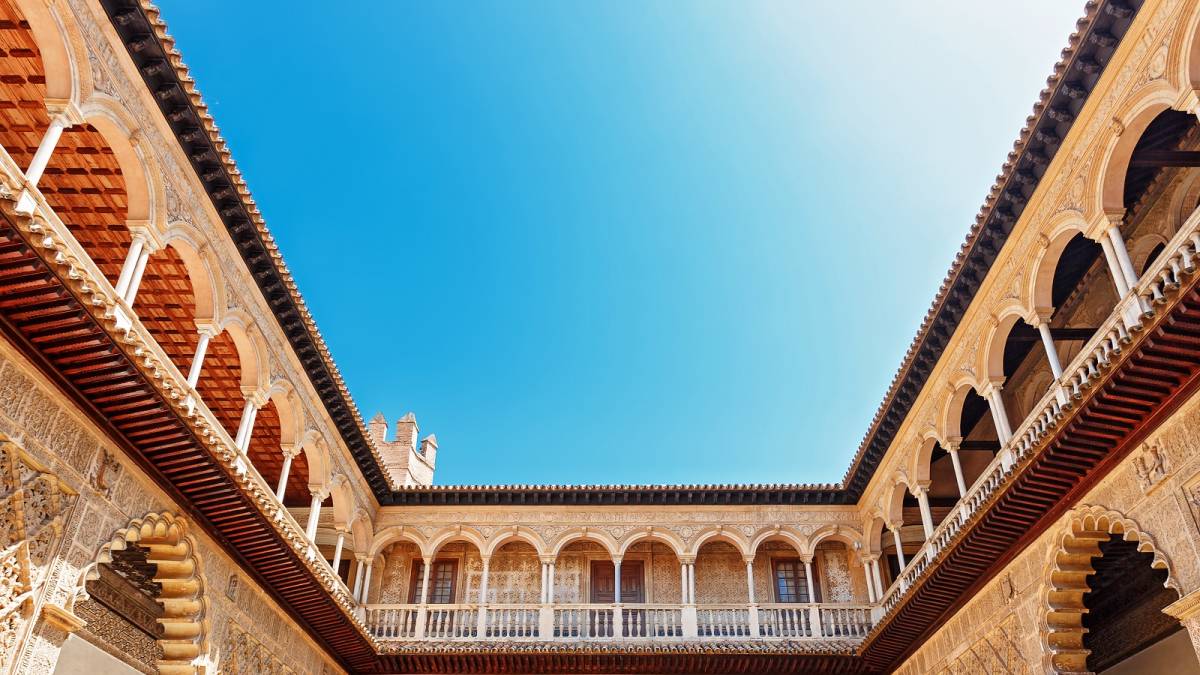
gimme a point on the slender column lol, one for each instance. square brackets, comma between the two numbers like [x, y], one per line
[425, 581]
[951, 448]
[481, 629]
[683, 584]
[1114, 267]
[358, 575]
[135, 281]
[337, 551]
[1051, 353]
[288, 455]
[366, 587]
[131, 261]
[45, 149]
[314, 516]
[247, 420]
[922, 494]
[750, 579]
[206, 333]
[616, 581]
[483, 582]
[899, 545]
[542, 596]
[808, 579]
[867, 575]
[1118, 244]
[877, 577]
[692, 582]
[999, 414]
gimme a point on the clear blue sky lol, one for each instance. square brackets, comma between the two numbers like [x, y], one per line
[601, 242]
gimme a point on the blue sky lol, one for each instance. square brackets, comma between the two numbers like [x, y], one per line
[622, 242]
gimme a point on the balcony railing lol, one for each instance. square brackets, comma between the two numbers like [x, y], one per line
[464, 622]
[1167, 274]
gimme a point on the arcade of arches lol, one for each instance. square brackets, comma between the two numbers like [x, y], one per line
[186, 486]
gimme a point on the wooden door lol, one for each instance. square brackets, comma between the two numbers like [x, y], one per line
[633, 587]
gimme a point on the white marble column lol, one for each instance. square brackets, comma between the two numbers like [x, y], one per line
[617, 581]
[877, 577]
[61, 117]
[895, 528]
[866, 565]
[131, 262]
[808, 578]
[683, 584]
[246, 427]
[289, 453]
[366, 587]
[750, 579]
[207, 333]
[314, 515]
[921, 492]
[337, 551]
[428, 569]
[358, 578]
[951, 449]
[999, 414]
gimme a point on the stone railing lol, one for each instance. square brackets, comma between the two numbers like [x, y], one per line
[1166, 275]
[465, 622]
[54, 234]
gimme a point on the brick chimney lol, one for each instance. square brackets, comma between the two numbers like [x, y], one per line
[377, 429]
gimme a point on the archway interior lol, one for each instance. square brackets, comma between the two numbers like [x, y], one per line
[220, 382]
[1163, 146]
[122, 608]
[979, 440]
[166, 306]
[1124, 602]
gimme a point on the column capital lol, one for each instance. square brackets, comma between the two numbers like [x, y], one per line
[894, 527]
[993, 384]
[919, 488]
[748, 559]
[257, 397]
[290, 450]
[806, 559]
[65, 110]
[143, 230]
[318, 492]
[1039, 315]
[548, 559]
[951, 443]
[617, 559]
[1102, 222]
[208, 329]
[687, 560]
[486, 559]
[869, 557]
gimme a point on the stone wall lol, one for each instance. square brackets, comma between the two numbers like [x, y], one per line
[109, 492]
[1155, 492]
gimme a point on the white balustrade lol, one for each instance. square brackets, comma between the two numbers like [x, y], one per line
[845, 621]
[652, 621]
[450, 622]
[723, 621]
[584, 621]
[1166, 275]
[785, 621]
[392, 622]
[511, 621]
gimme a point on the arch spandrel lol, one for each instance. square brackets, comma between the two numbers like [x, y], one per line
[595, 535]
[728, 535]
[656, 534]
[780, 533]
[455, 534]
[393, 534]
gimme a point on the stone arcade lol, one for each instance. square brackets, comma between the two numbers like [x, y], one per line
[186, 485]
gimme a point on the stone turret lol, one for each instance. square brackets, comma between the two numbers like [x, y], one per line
[407, 461]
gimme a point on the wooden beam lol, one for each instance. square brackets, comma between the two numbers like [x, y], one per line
[1161, 158]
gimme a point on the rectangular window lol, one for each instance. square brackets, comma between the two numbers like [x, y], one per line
[442, 580]
[790, 584]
